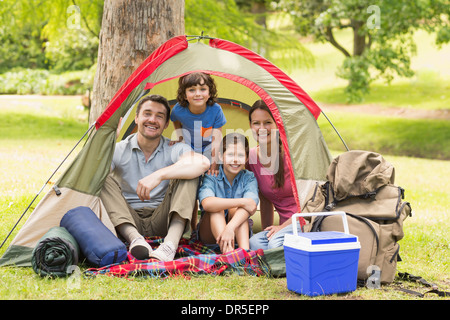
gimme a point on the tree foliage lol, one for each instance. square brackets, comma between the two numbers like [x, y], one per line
[382, 34]
[21, 43]
[235, 21]
[49, 34]
[62, 35]
[71, 33]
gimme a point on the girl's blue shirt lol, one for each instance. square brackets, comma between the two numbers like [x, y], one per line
[244, 186]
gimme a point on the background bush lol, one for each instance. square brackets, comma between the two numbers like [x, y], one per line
[40, 81]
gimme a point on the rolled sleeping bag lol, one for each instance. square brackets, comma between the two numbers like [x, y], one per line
[97, 243]
[54, 253]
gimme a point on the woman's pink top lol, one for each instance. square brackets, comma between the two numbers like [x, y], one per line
[282, 198]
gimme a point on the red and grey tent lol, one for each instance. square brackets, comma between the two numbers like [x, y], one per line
[241, 76]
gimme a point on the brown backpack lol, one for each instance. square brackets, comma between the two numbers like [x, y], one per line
[361, 184]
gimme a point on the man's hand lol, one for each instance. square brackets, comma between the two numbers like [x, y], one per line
[147, 184]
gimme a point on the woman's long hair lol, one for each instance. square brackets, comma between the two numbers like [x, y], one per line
[279, 175]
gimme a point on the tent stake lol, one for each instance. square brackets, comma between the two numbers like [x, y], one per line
[345, 145]
[48, 180]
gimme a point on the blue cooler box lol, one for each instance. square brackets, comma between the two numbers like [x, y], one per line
[321, 263]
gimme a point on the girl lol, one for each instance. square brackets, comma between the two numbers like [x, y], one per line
[268, 163]
[197, 118]
[228, 199]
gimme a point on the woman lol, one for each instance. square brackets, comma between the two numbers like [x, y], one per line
[268, 164]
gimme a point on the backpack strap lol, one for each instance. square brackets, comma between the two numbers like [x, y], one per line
[409, 277]
[329, 194]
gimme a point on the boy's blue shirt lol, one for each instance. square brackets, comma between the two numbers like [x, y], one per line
[244, 186]
[197, 128]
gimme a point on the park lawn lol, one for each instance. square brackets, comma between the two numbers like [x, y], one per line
[407, 94]
[424, 251]
[29, 156]
[422, 138]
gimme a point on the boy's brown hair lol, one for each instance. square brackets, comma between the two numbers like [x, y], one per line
[193, 79]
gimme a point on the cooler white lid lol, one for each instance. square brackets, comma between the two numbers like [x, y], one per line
[322, 241]
[326, 237]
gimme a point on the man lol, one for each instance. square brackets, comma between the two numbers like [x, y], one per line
[151, 190]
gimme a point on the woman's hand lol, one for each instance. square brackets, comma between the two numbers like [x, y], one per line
[272, 230]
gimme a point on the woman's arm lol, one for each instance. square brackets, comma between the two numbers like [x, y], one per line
[274, 229]
[267, 215]
[267, 212]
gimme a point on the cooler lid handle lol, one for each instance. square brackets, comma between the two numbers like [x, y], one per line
[328, 213]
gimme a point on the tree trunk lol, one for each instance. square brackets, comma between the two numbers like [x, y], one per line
[259, 9]
[131, 30]
[359, 41]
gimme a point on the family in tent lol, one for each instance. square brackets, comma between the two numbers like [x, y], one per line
[145, 183]
[135, 183]
[155, 182]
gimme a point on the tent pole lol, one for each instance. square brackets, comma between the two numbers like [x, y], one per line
[48, 180]
[345, 145]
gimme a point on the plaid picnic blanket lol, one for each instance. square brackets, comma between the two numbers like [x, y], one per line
[192, 257]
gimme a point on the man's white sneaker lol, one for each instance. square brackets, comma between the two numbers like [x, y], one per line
[165, 252]
[140, 249]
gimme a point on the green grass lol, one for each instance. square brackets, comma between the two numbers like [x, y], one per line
[424, 138]
[424, 251]
[427, 91]
[28, 157]
[433, 95]
[426, 246]
[38, 127]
